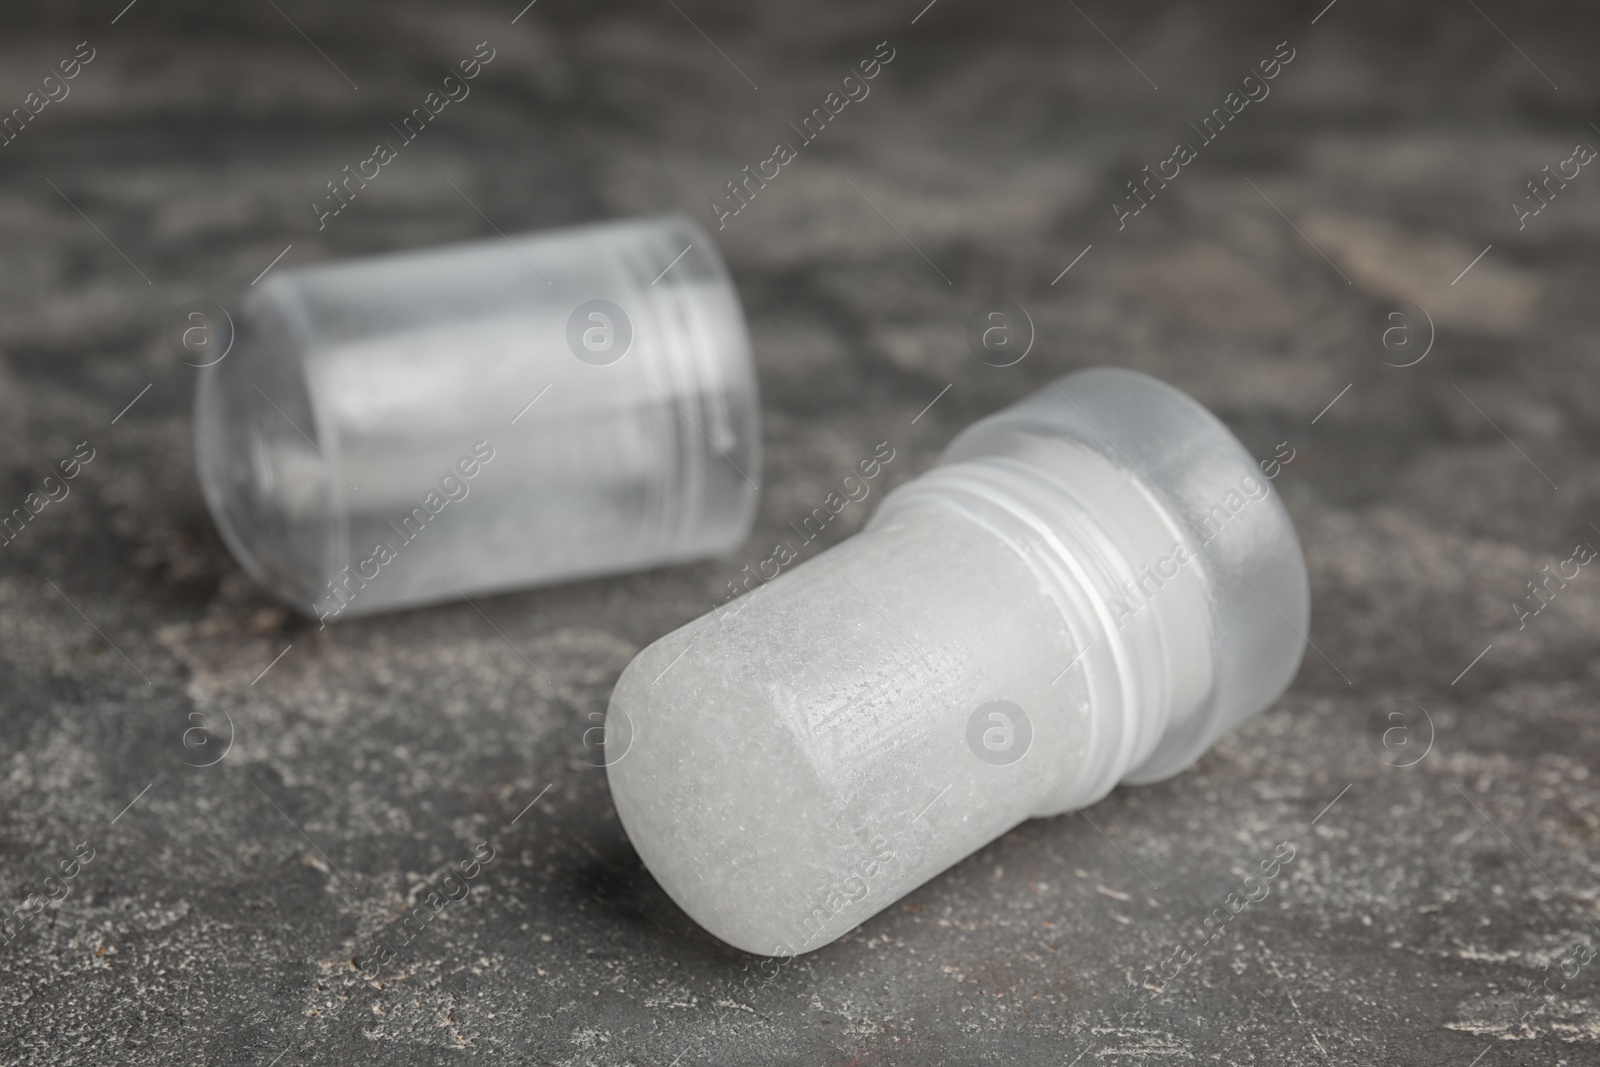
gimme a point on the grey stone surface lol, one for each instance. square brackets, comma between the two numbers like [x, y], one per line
[219, 916]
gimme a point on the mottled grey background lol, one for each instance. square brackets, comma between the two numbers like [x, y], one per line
[208, 928]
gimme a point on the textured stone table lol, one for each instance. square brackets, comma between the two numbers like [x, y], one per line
[223, 905]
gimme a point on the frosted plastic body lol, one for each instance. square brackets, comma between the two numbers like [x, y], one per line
[1088, 589]
[369, 443]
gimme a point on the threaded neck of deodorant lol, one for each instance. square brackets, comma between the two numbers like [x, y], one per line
[1087, 563]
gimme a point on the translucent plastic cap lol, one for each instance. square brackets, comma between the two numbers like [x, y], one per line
[421, 426]
[1218, 502]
